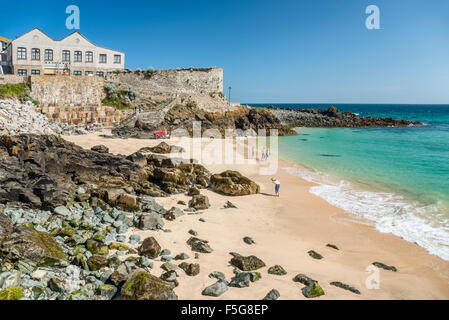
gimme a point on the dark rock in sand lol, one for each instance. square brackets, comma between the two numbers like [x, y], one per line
[199, 202]
[191, 269]
[232, 183]
[173, 214]
[277, 270]
[182, 256]
[199, 245]
[313, 290]
[247, 263]
[151, 221]
[333, 246]
[301, 278]
[315, 255]
[272, 295]
[150, 248]
[215, 290]
[193, 192]
[143, 286]
[384, 266]
[248, 240]
[229, 205]
[345, 287]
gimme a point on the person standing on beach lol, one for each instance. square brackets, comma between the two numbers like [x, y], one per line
[277, 186]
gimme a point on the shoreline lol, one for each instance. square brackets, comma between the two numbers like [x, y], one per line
[284, 230]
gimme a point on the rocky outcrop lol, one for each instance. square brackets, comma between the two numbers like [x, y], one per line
[43, 172]
[244, 121]
[232, 183]
[333, 118]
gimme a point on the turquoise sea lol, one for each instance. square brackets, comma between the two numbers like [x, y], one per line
[398, 178]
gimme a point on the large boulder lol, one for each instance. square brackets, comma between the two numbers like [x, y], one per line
[151, 221]
[247, 263]
[233, 183]
[144, 286]
[150, 248]
[199, 202]
[33, 246]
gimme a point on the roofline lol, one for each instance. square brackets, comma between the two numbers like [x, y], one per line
[36, 28]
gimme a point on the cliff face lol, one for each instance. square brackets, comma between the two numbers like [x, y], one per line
[333, 118]
[183, 116]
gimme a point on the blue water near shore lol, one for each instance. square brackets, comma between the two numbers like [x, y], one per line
[398, 178]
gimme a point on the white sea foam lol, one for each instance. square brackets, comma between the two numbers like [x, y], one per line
[426, 226]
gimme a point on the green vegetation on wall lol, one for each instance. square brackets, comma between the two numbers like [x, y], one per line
[119, 98]
[19, 91]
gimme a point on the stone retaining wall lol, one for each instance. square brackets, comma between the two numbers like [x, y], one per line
[190, 81]
[81, 115]
[10, 78]
[67, 91]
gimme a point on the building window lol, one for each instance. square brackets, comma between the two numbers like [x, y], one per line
[100, 74]
[117, 58]
[35, 54]
[35, 72]
[77, 73]
[103, 58]
[65, 56]
[89, 73]
[78, 56]
[89, 56]
[21, 53]
[48, 55]
[22, 72]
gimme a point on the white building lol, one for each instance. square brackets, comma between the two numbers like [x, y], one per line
[35, 53]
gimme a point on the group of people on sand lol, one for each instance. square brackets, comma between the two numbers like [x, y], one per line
[90, 127]
[264, 155]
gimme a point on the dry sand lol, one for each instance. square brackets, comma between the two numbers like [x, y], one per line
[284, 230]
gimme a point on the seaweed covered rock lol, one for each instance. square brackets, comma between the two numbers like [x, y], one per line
[144, 286]
[313, 290]
[247, 263]
[12, 293]
[233, 183]
[31, 245]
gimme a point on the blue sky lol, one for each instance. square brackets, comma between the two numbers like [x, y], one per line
[307, 51]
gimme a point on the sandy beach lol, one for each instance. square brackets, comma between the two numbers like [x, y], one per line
[284, 230]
